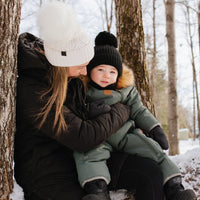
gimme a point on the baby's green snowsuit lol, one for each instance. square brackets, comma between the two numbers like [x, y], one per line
[129, 139]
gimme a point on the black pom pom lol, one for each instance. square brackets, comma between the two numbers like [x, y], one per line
[106, 38]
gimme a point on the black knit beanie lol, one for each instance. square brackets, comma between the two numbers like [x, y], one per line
[106, 52]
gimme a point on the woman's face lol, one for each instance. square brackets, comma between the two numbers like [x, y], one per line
[77, 70]
[104, 75]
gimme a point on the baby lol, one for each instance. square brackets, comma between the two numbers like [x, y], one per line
[110, 82]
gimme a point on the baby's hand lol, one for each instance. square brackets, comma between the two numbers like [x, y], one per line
[96, 108]
[159, 136]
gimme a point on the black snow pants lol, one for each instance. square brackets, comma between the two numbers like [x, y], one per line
[127, 172]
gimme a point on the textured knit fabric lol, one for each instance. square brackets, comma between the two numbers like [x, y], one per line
[106, 53]
[63, 36]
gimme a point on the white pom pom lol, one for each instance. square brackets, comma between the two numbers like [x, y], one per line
[57, 22]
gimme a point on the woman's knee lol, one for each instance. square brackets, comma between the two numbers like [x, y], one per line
[75, 193]
[138, 171]
[142, 175]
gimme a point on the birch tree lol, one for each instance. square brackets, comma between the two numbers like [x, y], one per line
[9, 28]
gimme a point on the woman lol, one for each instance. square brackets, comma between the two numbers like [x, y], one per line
[51, 113]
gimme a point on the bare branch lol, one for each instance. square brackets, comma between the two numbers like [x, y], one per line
[185, 3]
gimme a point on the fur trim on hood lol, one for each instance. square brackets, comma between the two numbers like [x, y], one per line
[127, 78]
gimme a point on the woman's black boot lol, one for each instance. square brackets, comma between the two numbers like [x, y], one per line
[174, 190]
[96, 190]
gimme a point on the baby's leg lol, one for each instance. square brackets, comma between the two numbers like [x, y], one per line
[93, 173]
[138, 144]
[92, 165]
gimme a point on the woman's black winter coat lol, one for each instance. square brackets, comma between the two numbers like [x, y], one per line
[41, 154]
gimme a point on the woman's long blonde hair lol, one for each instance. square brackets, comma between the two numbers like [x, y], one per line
[57, 94]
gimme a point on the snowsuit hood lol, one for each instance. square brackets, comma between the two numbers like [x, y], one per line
[127, 78]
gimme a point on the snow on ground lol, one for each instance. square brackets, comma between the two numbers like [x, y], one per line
[188, 162]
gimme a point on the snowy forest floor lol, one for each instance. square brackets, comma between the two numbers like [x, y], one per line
[188, 161]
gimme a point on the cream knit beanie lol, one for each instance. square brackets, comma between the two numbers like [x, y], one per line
[66, 44]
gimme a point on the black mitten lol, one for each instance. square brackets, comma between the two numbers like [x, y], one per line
[96, 108]
[159, 136]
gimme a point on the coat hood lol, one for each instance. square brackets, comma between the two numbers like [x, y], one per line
[127, 78]
[31, 53]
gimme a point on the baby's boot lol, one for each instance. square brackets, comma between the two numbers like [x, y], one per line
[174, 190]
[96, 190]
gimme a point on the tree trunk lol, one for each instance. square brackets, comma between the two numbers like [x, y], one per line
[199, 28]
[9, 28]
[131, 45]
[109, 18]
[195, 85]
[154, 50]
[172, 77]
[194, 111]
[199, 54]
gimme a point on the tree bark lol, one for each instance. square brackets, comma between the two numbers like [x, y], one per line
[195, 85]
[9, 28]
[154, 50]
[199, 25]
[199, 54]
[131, 45]
[172, 78]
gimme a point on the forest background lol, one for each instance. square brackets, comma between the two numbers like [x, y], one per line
[166, 79]
[95, 16]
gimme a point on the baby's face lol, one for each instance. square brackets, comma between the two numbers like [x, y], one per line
[104, 75]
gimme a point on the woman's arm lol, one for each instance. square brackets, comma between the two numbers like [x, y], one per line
[82, 135]
[85, 135]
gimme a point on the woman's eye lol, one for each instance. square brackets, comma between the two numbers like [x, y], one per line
[113, 72]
